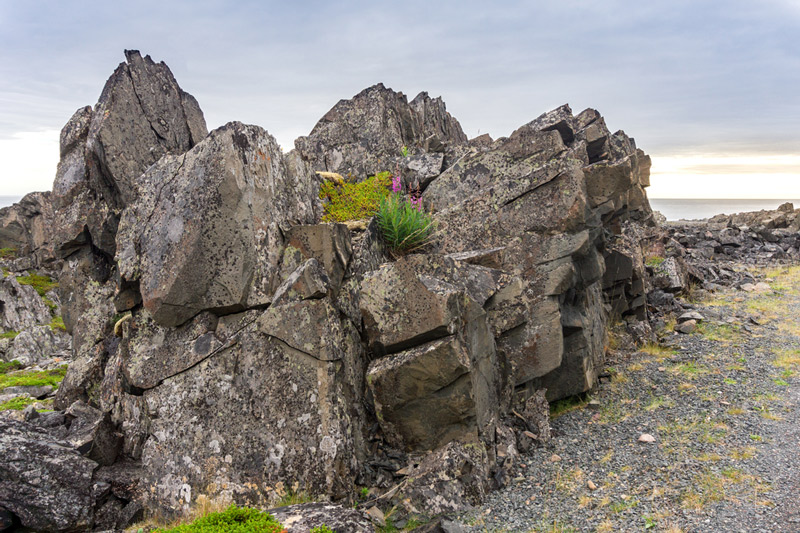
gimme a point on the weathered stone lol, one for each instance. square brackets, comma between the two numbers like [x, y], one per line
[46, 484]
[687, 326]
[92, 434]
[691, 315]
[303, 517]
[309, 281]
[281, 414]
[142, 114]
[670, 275]
[26, 227]
[153, 353]
[423, 396]
[329, 244]
[419, 298]
[21, 307]
[39, 343]
[451, 479]
[204, 234]
[365, 135]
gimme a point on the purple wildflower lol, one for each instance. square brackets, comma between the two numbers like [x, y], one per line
[396, 186]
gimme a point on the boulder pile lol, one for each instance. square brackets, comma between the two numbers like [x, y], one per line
[227, 344]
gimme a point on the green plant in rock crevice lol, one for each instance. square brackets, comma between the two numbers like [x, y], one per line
[354, 201]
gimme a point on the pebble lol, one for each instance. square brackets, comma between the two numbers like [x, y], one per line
[646, 437]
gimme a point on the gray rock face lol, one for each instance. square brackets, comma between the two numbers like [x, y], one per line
[283, 396]
[38, 344]
[22, 307]
[142, 114]
[544, 197]
[204, 234]
[26, 227]
[365, 135]
[305, 516]
[92, 433]
[47, 484]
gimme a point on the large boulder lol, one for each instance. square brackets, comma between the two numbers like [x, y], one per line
[142, 114]
[46, 483]
[365, 135]
[276, 407]
[205, 232]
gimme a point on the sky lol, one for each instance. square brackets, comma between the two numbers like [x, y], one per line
[710, 89]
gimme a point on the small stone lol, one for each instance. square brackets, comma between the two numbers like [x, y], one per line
[590, 484]
[555, 458]
[377, 516]
[691, 315]
[529, 435]
[748, 287]
[662, 369]
[686, 327]
[762, 287]
[646, 437]
[594, 404]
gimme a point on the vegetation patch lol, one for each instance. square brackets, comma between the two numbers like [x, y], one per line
[32, 378]
[232, 520]
[8, 253]
[354, 201]
[5, 368]
[57, 324]
[9, 335]
[42, 284]
[560, 407]
[405, 227]
[17, 404]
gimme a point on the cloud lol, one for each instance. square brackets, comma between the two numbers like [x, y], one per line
[680, 76]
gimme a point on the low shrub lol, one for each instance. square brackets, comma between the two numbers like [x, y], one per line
[354, 201]
[232, 520]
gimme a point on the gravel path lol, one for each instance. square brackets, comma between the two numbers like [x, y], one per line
[723, 407]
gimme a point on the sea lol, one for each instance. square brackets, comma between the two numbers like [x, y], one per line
[697, 208]
[672, 208]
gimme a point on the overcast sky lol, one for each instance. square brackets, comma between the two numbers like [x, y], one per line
[711, 89]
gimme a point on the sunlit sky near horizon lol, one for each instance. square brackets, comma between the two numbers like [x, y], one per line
[708, 88]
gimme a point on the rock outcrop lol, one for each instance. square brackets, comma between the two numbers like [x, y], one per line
[227, 344]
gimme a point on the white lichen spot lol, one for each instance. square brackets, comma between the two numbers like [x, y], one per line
[294, 387]
[305, 418]
[328, 445]
[228, 459]
[185, 493]
[281, 423]
[214, 445]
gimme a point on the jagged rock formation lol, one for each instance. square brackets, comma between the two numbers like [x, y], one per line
[26, 228]
[226, 343]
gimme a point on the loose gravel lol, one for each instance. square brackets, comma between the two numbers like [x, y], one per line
[723, 406]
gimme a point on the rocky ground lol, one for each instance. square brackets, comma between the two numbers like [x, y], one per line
[722, 406]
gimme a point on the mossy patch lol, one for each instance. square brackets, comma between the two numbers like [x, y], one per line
[17, 404]
[5, 368]
[57, 324]
[31, 378]
[232, 520]
[8, 253]
[42, 284]
[354, 201]
[9, 334]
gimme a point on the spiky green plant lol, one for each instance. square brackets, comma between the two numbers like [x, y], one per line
[405, 227]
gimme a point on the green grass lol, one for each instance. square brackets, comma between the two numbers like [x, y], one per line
[17, 404]
[354, 201]
[9, 334]
[8, 253]
[321, 529]
[41, 283]
[560, 407]
[293, 498]
[32, 378]
[232, 520]
[5, 368]
[404, 228]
